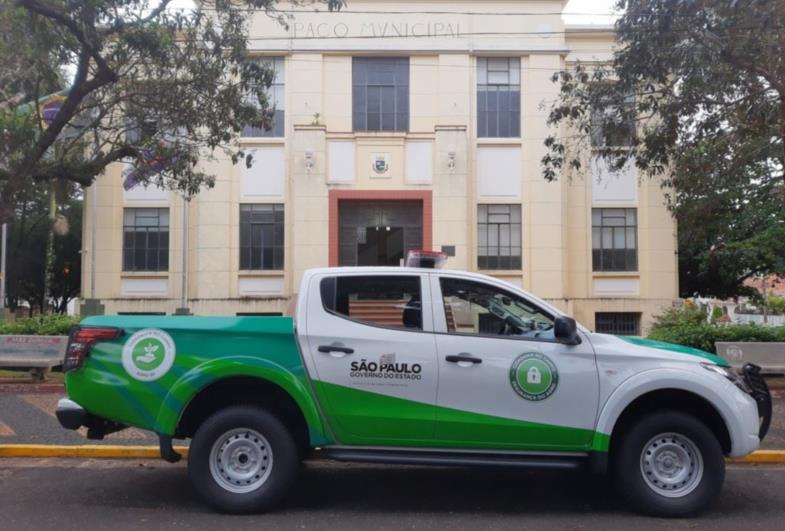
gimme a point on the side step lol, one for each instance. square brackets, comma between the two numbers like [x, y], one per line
[456, 458]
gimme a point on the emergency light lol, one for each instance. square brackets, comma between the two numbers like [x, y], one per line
[426, 259]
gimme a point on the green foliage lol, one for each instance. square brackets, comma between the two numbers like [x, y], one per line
[27, 244]
[700, 81]
[161, 88]
[43, 325]
[688, 326]
[686, 314]
[775, 305]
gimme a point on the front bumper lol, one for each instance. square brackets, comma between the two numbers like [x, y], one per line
[759, 391]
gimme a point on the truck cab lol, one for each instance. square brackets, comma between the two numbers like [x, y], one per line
[407, 365]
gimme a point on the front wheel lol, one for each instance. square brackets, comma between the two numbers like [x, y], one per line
[669, 464]
[242, 459]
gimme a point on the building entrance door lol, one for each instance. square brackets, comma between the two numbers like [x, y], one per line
[378, 233]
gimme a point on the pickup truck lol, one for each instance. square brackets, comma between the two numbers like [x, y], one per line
[414, 366]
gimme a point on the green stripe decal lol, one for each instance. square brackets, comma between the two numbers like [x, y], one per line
[362, 417]
[681, 349]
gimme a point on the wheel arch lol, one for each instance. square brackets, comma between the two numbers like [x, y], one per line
[248, 380]
[244, 390]
[658, 390]
[677, 400]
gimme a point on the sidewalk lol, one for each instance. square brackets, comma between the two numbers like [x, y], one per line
[27, 416]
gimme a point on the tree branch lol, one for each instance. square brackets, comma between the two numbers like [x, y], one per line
[121, 26]
[61, 17]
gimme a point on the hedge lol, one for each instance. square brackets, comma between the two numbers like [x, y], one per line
[42, 325]
[688, 326]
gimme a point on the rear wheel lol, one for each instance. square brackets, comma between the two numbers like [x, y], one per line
[242, 459]
[669, 464]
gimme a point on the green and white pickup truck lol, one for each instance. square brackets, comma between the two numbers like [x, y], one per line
[414, 366]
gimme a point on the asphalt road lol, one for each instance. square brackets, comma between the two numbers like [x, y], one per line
[135, 495]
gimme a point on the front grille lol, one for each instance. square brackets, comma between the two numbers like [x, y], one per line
[760, 393]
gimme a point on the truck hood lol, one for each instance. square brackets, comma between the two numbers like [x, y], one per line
[608, 344]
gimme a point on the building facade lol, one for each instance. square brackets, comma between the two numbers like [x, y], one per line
[399, 125]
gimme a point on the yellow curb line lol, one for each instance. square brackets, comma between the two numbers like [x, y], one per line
[152, 452]
[85, 450]
[762, 456]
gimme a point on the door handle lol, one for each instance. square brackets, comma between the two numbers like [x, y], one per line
[463, 357]
[326, 349]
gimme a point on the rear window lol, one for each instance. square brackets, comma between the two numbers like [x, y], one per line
[388, 301]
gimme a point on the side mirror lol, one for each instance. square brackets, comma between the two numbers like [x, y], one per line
[566, 331]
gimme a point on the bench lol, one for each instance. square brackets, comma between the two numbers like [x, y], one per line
[37, 353]
[769, 356]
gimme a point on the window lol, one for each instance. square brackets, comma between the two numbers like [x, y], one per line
[389, 301]
[141, 130]
[261, 237]
[145, 239]
[140, 123]
[499, 236]
[276, 98]
[619, 323]
[498, 97]
[476, 308]
[380, 94]
[614, 128]
[614, 239]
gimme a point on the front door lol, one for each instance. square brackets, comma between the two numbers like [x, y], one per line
[372, 350]
[504, 382]
[378, 233]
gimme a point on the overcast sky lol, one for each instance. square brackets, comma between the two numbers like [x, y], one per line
[598, 10]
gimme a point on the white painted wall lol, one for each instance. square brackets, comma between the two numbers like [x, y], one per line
[146, 195]
[419, 162]
[261, 286]
[616, 286]
[340, 155]
[139, 287]
[499, 171]
[613, 187]
[265, 177]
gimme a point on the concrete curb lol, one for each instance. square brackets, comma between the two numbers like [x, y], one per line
[85, 451]
[24, 388]
[152, 452]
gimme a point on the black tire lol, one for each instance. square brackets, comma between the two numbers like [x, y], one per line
[276, 446]
[629, 470]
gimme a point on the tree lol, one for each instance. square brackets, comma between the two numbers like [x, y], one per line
[703, 82]
[159, 88]
[28, 235]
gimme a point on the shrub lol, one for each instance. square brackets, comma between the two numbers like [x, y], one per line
[688, 326]
[42, 325]
[775, 305]
[686, 314]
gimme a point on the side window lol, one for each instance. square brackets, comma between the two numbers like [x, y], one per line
[476, 308]
[389, 301]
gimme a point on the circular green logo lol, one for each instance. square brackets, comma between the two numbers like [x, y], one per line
[148, 354]
[534, 376]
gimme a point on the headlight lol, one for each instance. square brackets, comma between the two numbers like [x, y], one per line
[730, 374]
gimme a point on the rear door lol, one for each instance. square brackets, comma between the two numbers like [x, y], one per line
[505, 382]
[372, 356]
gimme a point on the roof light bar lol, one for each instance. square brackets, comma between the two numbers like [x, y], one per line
[426, 259]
